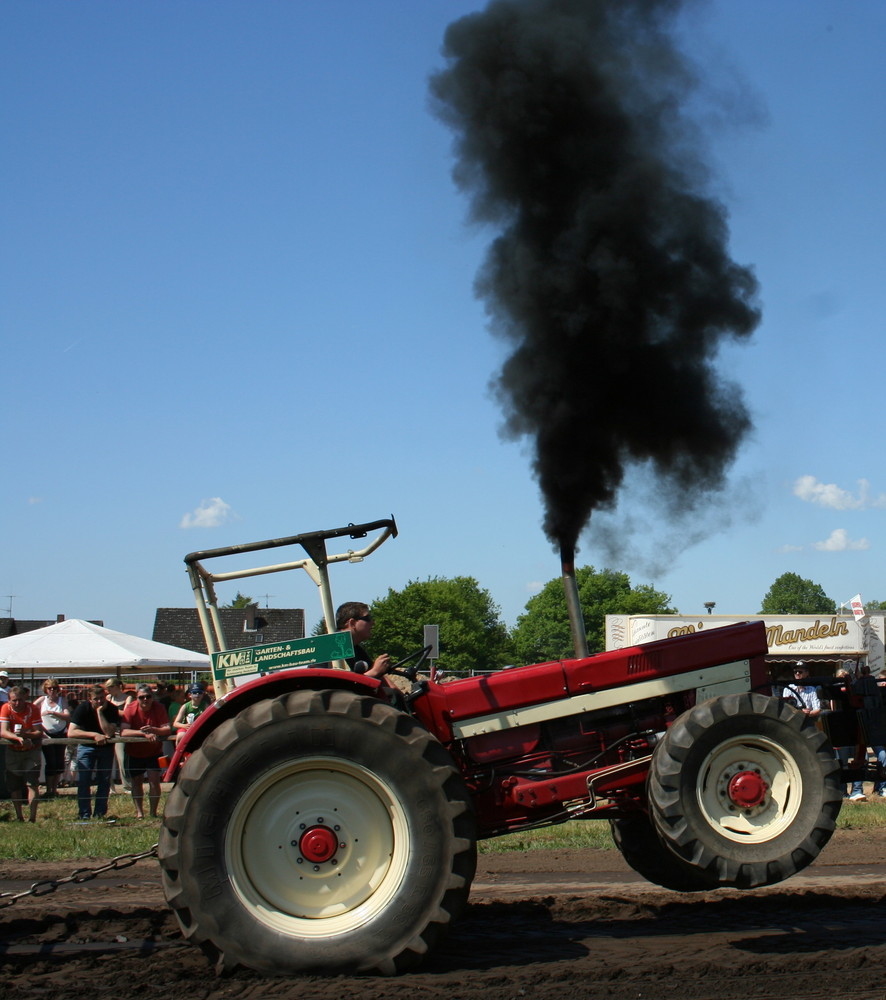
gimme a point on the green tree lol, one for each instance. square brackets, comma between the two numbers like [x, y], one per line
[472, 634]
[240, 601]
[542, 632]
[790, 594]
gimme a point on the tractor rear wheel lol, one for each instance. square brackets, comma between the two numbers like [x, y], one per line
[641, 847]
[746, 789]
[321, 831]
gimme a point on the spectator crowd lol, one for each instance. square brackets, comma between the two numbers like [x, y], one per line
[60, 740]
[851, 709]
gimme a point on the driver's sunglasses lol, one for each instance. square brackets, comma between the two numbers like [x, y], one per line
[145, 697]
[365, 618]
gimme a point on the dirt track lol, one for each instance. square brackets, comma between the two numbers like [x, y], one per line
[541, 925]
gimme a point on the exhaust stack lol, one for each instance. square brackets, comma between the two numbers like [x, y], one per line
[573, 605]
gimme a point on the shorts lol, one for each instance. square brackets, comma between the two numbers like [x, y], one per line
[135, 767]
[23, 767]
[54, 755]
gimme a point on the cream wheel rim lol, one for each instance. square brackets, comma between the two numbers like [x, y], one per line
[317, 847]
[773, 777]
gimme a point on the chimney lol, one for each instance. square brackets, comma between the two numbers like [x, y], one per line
[249, 617]
[59, 618]
[573, 604]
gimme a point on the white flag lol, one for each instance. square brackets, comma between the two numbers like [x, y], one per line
[857, 606]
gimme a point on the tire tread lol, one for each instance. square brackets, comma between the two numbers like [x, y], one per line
[667, 788]
[416, 745]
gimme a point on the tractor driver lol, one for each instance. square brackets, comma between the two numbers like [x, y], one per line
[356, 618]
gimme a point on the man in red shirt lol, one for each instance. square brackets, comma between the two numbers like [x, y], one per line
[145, 717]
[20, 723]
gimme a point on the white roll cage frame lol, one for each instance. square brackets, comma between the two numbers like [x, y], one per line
[315, 564]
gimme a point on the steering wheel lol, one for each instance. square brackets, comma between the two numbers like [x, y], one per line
[420, 655]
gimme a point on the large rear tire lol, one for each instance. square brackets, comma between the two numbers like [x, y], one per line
[640, 846]
[745, 789]
[318, 832]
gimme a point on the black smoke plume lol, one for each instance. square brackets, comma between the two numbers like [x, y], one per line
[610, 275]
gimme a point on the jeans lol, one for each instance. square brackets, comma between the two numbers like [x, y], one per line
[844, 755]
[93, 767]
[879, 784]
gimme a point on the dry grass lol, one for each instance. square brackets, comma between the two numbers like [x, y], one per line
[595, 833]
[58, 836]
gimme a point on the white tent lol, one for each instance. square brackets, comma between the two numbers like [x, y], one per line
[78, 647]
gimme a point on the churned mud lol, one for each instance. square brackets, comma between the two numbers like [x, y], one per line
[547, 924]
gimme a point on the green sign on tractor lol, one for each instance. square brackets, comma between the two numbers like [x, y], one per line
[272, 656]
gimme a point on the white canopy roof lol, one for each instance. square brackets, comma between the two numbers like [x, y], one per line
[76, 646]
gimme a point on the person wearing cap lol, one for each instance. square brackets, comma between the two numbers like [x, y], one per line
[197, 703]
[801, 695]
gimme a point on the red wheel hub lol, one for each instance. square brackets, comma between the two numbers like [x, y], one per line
[747, 789]
[318, 844]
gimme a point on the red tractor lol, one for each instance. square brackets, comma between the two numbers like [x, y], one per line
[322, 821]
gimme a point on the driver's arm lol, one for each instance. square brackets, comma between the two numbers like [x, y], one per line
[380, 666]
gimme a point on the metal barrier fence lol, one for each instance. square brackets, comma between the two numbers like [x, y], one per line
[60, 741]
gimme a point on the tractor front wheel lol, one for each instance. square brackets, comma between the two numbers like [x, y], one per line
[745, 789]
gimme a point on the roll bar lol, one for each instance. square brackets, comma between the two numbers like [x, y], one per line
[315, 564]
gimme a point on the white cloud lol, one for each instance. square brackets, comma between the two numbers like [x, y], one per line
[789, 548]
[33, 500]
[210, 514]
[839, 541]
[811, 490]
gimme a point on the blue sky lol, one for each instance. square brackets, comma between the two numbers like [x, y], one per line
[237, 304]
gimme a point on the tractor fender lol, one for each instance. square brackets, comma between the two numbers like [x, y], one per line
[269, 686]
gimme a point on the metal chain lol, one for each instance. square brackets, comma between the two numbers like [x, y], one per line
[77, 877]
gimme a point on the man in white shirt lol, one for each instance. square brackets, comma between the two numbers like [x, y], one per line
[801, 695]
[4, 686]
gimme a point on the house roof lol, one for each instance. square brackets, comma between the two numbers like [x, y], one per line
[17, 626]
[249, 626]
